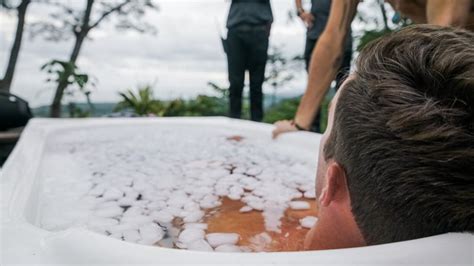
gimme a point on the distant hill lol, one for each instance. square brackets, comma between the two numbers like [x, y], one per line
[100, 109]
[105, 108]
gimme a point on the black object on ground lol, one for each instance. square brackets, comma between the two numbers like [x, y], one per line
[14, 115]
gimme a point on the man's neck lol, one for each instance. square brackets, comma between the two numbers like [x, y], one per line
[335, 230]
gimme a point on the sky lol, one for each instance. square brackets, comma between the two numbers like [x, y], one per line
[178, 61]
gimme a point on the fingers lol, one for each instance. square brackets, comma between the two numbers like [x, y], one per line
[275, 134]
[281, 126]
[277, 130]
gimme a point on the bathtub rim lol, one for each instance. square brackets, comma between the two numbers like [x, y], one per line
[41, 245]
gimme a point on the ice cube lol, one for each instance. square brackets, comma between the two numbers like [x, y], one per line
[299, 205]
[217, 239]
[109, 211]
[189, 235]
[199, 245]
[245, 209]
[131, 236]
[308, 221]
[151, 233]
[201, 226]
[228, 248]
[194, 216]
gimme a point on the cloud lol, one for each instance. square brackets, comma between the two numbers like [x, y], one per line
[184, 55]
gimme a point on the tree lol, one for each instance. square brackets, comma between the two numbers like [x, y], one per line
[60, 71]
[279, 71]
[377, 24]
[6, 82]
[68, 21]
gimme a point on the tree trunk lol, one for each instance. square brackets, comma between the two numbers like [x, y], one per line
[62, 85]
[6, 82]
[55, 110]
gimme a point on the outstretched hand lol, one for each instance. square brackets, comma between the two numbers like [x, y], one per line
[283, 126]
[307, 19]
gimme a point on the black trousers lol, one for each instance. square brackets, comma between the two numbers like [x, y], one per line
[246, 48]
[343, 71]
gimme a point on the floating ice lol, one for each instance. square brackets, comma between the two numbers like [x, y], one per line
[199, 245]
[189, 235]
[112, 194]
[201, 226]
[256, 204]
[193, 216]
[156, 185]
[308, 221]
[101, 224]
[131, 235]
[245, 209]
[310, 194]
[151, 233]
[217, 239]
[109, 211]
[162, 216]
[228, 248]
[260, 241]
[299, 205]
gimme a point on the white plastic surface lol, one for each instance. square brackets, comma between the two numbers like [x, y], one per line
[23, 242]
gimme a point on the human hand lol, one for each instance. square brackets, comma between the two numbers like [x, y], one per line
[307, 19]
[283, 126]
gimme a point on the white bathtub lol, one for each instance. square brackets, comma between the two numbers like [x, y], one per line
[22, 241]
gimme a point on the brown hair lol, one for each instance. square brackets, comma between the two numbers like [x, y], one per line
[404, 133]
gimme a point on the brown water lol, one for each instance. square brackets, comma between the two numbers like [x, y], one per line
[228, 219]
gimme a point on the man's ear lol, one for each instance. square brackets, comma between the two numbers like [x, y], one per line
[335, 187]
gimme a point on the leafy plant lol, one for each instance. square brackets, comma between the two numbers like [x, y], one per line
[66, 21]
[68, 73]
[207, 106]
[142, 102]
[221, 91]
[284, 110]
[65, 72]
[377, 26]
[75, 111]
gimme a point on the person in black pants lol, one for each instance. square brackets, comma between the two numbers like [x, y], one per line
[315, 21]
[248, 25]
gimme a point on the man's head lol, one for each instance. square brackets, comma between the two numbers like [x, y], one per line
[400, 141]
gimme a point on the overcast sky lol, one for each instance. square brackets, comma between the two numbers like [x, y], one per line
[184, 55]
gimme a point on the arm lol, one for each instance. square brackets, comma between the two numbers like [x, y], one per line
[306, 17]
[299, 5]
[448, 13]
[326, 59]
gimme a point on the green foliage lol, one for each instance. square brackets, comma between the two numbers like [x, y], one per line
[370, 36]
[382, 24]
[76, 111]
[221, 91]
[207, 106]
[280, 70]
[285, 109]
[62, 71]
[143, 103]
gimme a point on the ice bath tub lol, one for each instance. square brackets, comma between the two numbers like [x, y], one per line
[25, 240]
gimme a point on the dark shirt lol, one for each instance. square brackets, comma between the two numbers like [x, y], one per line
[320, 10]
[249, 12]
